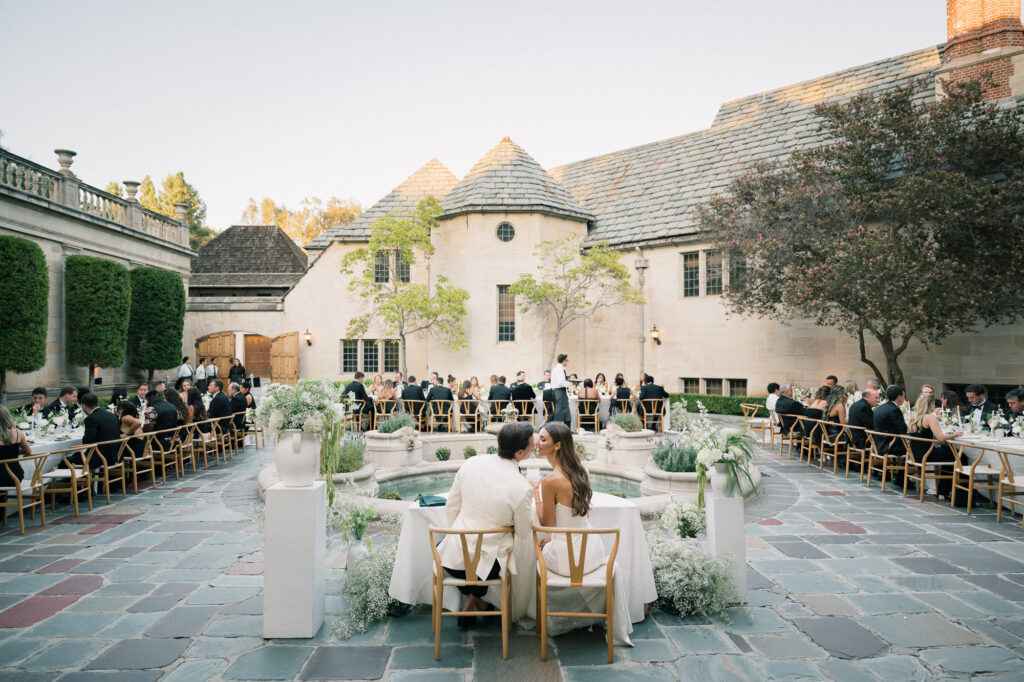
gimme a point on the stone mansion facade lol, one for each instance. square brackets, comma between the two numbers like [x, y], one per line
[643, 201]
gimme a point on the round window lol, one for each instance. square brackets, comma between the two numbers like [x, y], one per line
[506, 232]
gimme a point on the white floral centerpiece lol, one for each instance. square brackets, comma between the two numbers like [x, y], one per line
[1018, 427]
[996, 422]
[728, 450]
[301, 417]
[686, 520]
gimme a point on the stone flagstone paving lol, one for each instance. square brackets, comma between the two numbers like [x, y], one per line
[846, 583]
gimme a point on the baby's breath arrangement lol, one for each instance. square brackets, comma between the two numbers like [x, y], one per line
[685, 520]
[365, 587]
[313, 406]
[690, 582]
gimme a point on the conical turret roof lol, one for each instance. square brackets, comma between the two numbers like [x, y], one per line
[433, 179]
[509, 179]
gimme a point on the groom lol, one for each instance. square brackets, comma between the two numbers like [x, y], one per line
[558, 386]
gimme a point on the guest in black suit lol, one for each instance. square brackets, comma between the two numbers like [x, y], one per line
[100, 426]
[238, 405]
[862, 414]
[356, 388]
[543, 383]
[649, 391]
[38, 403]
[787, 409]
[547, 396]
[524, 391]
[220, 406]
[889, 419]
[499, 395]
[65, 402]
[440, 398]
[979, 404]
[412, 391]
[1015, 409]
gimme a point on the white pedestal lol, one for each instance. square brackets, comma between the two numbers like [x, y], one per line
[294, 562]
[727, 537]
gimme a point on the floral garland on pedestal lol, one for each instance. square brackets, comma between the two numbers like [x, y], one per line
[731, 448]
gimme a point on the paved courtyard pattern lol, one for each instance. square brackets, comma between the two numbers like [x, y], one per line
[846, 583]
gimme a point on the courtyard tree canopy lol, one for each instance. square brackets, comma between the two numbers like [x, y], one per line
[24, 307]
[175, 189]
[97, 303]
[573, 285]
[381, 275]
[157, 319]
[905, 225]
[306, 222]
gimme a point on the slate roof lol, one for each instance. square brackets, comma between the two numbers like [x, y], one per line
[650, 193]
[242, 280]
[433, 179]
[251, 249]
[509, 179]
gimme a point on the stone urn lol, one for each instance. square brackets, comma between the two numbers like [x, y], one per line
[297, 457]
[399, 449]
[627, 448]
[682, 485]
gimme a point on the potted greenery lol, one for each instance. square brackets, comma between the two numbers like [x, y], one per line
[350, 468]
[300, 416]
[672, 469]
[442, 454]
[394, 443]
[469, 451]
[626, 441]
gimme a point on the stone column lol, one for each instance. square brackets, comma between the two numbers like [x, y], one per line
[180, 209]
[133, 216]
[69, 183]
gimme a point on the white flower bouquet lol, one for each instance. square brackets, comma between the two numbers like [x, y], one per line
[996, 422]
[314, 406]
[730, 447]
[686, 520]
[1018, 427]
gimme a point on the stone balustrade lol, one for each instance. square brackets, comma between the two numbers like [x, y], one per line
[64, 188]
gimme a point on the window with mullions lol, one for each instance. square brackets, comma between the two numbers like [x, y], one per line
[370, 354]
[713, 273]
[391, 355]
[349, 356]
[690, 384]
[737, 271]
[506, 314]
[691, 274]
[737, 387]
[713, 386]
[401, 271]
[506, 232]
[381, 268]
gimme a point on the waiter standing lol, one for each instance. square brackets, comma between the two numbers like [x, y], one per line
[558, 385]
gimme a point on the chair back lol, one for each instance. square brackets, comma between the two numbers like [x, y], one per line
[623, 404]
[37, 474]
[588, 407]
[442, 407]
[749, 411]
[470, 561]
[576, 563]
[467, 407]
[526, 409]
[549, 408]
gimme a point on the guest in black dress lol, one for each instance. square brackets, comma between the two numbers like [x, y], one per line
[131, 427]
[623, 395]
[12, 444]
[924, 423]
[197, 410]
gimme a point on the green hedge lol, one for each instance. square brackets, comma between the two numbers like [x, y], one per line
[718, 404]
[97, 303]
[24, 301]
[157, 319]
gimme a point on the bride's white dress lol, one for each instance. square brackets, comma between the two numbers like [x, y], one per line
[582, 599]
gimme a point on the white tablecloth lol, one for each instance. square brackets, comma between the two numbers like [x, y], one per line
[604, 410]
[42, 445]
[976, 444]
[411, 580]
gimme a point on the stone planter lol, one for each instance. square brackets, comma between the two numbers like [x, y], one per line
[627, 448]
[297, 458]
[682, 485]
[398, 449]
[363, 481]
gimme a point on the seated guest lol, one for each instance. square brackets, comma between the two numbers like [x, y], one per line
[65, 403]
[38, 403]
[543, 383]
[588, 391]
[623, 393]
[159, 386]
[197, 410]
[250, 399]
[925, 424]
[547, 396]
[467, 403]
[498, 396]
[474, 388]
[831, 381]
[220, 405]
[173, 398]
[453, 384]
[237, 402]
[523, 391]
[981, 408]
[601, 383]
[139, 399]
[817, 402]
[100, 426]
[773, 396]
[13, 444]
[160, 415]
[357, 391]
[875, 384]
[399, 382]
[951, 402]
[440, 399]
[787, 409]
[1015, 403]
[387, 397]
[852, 392]
[378, 383]
[118, 395]
[889, 419]
[862, 415]
[835, 408]
[489, 492]
[412, 390]
[574, 383]
[650, 391]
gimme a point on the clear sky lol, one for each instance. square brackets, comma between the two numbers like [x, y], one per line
[321, 98]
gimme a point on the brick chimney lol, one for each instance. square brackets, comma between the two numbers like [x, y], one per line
[984, 36]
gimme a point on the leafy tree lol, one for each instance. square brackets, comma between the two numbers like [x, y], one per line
[381, 275]
[175, 189]
[905, 225]
[24, 307]
[305, 223]
[157, 319]
[97, 303]
[114, 187]
[574, 286]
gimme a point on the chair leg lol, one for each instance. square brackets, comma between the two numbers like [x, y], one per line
[438, 597]
[970, 494]
[610, 625]
[542, 616]
[504, 618]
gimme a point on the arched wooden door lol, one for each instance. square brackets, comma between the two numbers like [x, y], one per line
[220, 347]
[257, 355]
[284, 358]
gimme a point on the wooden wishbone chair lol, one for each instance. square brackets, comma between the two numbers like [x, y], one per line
[979, 475]
[856, 455]
[1009, 488]
[588, 413]
[576, 578]
[104, 473]
[919, 469]
[470, 562]
[136, 464]
[526, 410]
[71, 479]
[417, 409]
[163, 448]
[28, 492]
[186, 447]
[753, 423]
[880, 458]
[653, 413]
[834, 445]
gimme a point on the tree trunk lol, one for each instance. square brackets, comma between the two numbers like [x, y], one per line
[554, 347]
[3, 387]
[92, 369]
[149, 377]
[867, 361]
[892, 360]
[401, 357]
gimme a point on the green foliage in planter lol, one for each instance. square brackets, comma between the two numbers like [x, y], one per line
[442, 454]
[97, 303]
[353, 519]
[469, 451]
[395, 423]
[350, 455]
[24, 307]
[672, 454]
[365, 586]
[389, 495]
[583, 453]
[492, 449]
[157, 319]
[689, 581]
[716, 404]
[627, 422]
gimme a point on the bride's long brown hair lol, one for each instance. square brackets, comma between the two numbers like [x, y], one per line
[570, 464]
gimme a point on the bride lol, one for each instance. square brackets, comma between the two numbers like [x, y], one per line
[563, 500]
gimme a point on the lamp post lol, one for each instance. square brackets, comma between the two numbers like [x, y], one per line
[641, 264]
